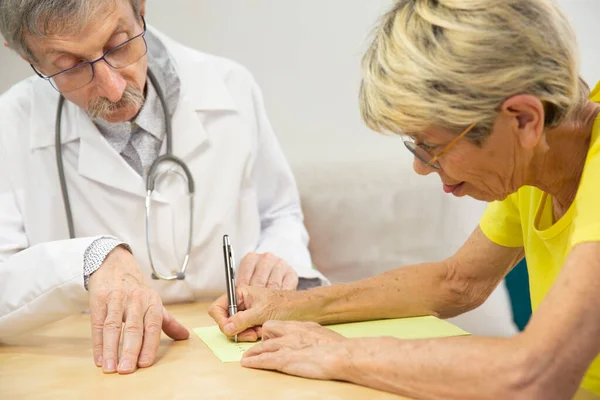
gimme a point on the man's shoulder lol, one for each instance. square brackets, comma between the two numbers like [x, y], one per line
[17, 100]
[231, 71]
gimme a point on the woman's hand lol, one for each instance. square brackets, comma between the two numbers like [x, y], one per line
[255, 307]
[299, 348]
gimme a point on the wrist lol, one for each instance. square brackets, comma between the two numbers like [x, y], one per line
[96, 254]
[303, 305]
[118, 260]
[343, 363]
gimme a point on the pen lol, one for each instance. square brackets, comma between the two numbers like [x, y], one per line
[230, 276]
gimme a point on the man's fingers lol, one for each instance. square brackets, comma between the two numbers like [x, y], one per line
[152, 329]
[173, 328]
[98, 316]
[277, 273]
[246, 269]
[290, 280]
[263, 269]
[133, 332]
[112, 333]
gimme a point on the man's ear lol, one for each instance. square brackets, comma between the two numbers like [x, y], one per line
[528, 114]
[28, 61]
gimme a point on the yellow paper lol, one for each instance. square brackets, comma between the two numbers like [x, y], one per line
[402, 328]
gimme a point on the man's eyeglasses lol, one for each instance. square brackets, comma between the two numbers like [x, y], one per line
[82, 74]
[427, 158]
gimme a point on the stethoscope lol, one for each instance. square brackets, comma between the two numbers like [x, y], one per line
[150, 182]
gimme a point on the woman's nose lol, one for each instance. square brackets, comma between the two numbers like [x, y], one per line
[422, 168]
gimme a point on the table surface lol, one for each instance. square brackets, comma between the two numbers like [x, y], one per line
[56, 362]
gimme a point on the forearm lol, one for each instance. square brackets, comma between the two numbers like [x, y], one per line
[454, 368]
[407, 291]
[41, 284]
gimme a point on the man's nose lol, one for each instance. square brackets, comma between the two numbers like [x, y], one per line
[422, 168]
[109, 84]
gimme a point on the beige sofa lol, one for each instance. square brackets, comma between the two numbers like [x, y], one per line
[369, 215]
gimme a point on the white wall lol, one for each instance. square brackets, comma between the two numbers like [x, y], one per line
[305, 54]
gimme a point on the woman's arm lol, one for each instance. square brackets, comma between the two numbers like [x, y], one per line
[446, 288]
[547, 361]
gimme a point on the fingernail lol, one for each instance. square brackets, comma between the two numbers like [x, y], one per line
[99, 360]
[229, 328]
[125, 365]
[109, 366]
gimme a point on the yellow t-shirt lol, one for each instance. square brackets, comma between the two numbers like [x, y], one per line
[525, 219]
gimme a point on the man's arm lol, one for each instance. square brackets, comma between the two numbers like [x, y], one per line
[38, 284]
[45, 283]
[281, 259]
[282, 220]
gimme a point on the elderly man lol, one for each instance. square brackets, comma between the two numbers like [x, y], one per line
[78, 153]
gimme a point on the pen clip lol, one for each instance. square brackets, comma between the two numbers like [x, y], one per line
[232, 263]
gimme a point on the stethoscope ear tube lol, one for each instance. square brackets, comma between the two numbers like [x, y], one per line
[61, 169]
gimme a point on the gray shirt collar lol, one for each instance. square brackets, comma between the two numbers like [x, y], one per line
[151, 116]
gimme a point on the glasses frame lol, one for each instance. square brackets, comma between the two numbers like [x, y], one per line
[91, 63]
[433, 162]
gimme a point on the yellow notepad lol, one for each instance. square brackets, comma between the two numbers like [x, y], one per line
[402, 328]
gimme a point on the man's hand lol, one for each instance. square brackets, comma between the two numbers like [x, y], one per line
[266, 270]
[119, 294]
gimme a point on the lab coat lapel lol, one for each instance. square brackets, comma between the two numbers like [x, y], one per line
[98, 161]
[203, 91]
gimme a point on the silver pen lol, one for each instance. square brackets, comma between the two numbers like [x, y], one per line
[230, 277]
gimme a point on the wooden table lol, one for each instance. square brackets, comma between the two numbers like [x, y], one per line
[56, 363]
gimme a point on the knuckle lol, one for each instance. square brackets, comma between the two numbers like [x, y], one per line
[138, 294]
[112, 324]
[133, 328]
[116, 293]
[268, 256]
[274, 285]
[97, 325]
[152, 328]
[269, 324]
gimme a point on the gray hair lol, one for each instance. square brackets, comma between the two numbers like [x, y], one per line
[454, 62]
[42, 17]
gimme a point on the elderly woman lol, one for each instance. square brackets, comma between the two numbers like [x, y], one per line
[486, 94]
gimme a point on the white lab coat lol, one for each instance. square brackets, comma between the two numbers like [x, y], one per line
[244, 188]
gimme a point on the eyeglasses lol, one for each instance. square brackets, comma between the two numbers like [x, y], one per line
[422, 154]
[82, 74]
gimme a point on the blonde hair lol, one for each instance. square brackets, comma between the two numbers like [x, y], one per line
[450, 63]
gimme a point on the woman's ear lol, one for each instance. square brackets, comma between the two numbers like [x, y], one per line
[527, 113]
[143, 8]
